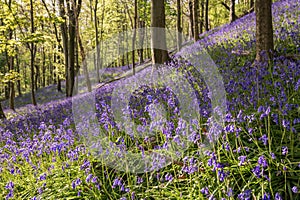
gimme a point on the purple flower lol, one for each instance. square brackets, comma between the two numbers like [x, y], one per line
[10, 185]
[256, 170]
[204, 191]
[278, 197]
[264, 139]
[273, 155]
[295, 189]
[88, 178]
[230, 192]
[10, 194]
[262, 161]
[242, 159]
[285, 150]
[266, 196]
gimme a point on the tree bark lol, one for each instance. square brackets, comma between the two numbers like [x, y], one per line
[179, 27]
[191, 19]
[97, 42]
[196, 17]
[264, 30]
[71, 50]
[32, 55]
[202, 16]
[206, 15]
[64, 34]
[134, 36]
[2, 115]
[158, 37]
[232, 11]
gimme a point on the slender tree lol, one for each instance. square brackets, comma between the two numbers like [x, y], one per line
[196, 17]
[179, 27]
[32, 56]
[134, 35]
[158, 37]
[206, 15]
[2, 115]
[191, 19]
[232, 11]
[264, 30]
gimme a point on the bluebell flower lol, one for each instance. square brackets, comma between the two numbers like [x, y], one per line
[262, 161]
[295, 189]
[278, 196]
[285, 150]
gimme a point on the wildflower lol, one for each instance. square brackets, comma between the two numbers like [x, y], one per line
[10, 185]
[295, 189]
[256, 170]
[88, 178]
[230, 192]
[264, 139]
[266, 196]
[262, 161]
[204, 191]
[278, 197]
[285, 150]
[273, 155]
[242, 159]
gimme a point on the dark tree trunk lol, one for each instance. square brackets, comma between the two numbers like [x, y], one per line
[134, 36]
[191, 19]
[64, 34]
[179, 27]
[32, 56]
[232, 11]
[10, 63]
[159, 55]
[251, 4]
[97, 55]
[2, 115]
[71, 51]
[196, 17]
[202, 16]
[206, 15]
[264, 30]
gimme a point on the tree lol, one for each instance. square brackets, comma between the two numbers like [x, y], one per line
[191, 19]
[179, 27]
[32, 55]
[232, 11]
[134, 35]
[264, 30]
[2, 115]
[196, 17]
[158, 37]
[206, 15]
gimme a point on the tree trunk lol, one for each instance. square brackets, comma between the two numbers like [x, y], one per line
[191, 19]
[179, 27]
[2, 115]
[202, 16]
[10, 62]
[264, 30]
[64, 34]
[196, 17]
[134, 36]
[251, 4]
[206, 15]
[71, 51]
[97, 56]
[232, 11]
[158, 37]
[32, 55]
